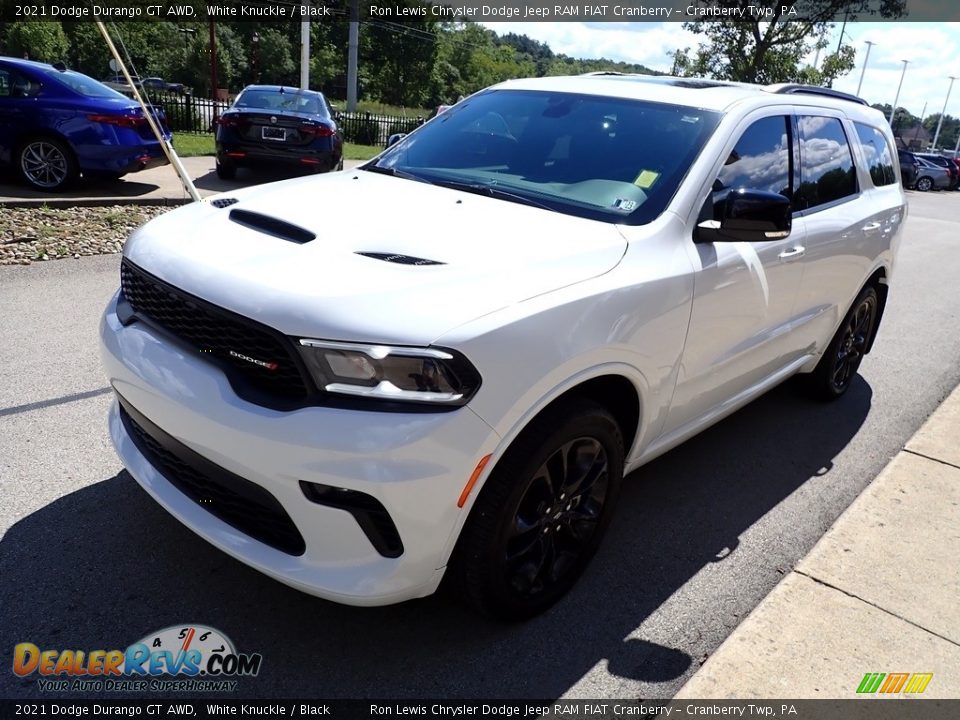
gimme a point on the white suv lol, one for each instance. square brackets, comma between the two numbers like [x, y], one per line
[443, 362]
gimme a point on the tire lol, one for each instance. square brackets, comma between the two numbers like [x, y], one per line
[340, 164]
[840, 361]
[924, 184]
[539, 520]
[46, 164]
[225, 171]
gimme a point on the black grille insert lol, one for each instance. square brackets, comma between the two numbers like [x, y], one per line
[254, 355]
[237, 501]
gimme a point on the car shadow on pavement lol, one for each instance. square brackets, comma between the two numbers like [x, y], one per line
[11, 187]
[247, 177]
[104, 566]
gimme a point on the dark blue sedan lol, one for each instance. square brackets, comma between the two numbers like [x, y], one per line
[274, 125]
[56, 124]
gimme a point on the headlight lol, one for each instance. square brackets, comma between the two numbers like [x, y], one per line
[384, 372]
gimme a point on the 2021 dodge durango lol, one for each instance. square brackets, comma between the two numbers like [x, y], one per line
[442, 364]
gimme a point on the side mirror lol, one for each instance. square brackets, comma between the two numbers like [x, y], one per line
[749, 216]
[395, 138]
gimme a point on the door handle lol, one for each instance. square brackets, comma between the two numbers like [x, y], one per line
[792, 254]
[871, 227]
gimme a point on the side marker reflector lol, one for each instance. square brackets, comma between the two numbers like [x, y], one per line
[472, 481]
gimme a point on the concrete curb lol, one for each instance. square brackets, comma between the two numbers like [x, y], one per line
[877, 594]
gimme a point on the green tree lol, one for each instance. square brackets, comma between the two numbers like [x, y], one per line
[771, 51]
[44, 41]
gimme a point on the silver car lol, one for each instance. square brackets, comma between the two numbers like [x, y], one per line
[931, 176]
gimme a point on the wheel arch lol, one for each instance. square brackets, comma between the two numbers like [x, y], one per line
[878, 281]
[612, 386]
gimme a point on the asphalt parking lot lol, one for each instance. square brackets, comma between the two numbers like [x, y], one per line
[701, 535]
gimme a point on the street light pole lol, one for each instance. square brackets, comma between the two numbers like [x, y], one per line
[936, 135]
[893, 111]
[863, 72]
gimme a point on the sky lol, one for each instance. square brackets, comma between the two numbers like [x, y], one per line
[933, 50]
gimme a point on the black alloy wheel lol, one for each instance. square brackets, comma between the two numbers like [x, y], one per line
[540, 516]
[557, 517]
[841, 360]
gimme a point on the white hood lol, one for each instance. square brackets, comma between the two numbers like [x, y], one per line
[495, 253]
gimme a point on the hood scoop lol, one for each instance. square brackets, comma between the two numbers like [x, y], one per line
[272, 226]
[399, 259]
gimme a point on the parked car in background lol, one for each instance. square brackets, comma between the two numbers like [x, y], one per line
[279, 126]
[931, 176]
[155, 83]
[947, 164]
[56, 124]
[443, 363]
[119, 83]
[909, 168]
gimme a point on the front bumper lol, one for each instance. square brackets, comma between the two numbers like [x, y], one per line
[414, 464]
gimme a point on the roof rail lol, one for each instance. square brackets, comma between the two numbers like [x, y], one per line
[796, 89]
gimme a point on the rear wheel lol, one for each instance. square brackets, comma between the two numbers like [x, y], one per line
[46, 164]
[542, 513]
[225, 171]
[924, 184]
[841, 360]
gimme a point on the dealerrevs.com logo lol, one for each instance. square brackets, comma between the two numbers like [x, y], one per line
[184, 658]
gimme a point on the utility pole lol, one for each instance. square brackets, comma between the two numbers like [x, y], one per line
[865, 61]
[895, 99]
[304, 54]
[936, 135]
[213, 61]
[353, 42]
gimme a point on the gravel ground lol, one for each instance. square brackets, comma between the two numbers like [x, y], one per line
[33, 234]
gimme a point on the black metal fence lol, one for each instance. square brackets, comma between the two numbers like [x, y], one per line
[365, 128]
[188, 114]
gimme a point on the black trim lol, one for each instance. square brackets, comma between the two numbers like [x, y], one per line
[370, 514]
[272, 226]
[815, 90]
[242, 504]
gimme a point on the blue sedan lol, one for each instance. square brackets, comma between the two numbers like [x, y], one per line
[56, 124]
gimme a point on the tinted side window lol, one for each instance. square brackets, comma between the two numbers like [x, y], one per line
[759, 161]
[877, 151]
[826, 167]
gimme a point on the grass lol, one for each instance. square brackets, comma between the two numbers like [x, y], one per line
[192, 145]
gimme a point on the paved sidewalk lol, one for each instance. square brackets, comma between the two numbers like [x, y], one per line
[157, 186]
[879, 593]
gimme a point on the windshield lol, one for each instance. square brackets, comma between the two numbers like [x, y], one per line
[604, 158]
[293, 101]
[84, 85]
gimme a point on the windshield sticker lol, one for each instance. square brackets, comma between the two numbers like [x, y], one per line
[624, 205]
[646, 178]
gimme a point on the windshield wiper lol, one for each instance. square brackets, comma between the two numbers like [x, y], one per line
[394, 172]
[493, 191]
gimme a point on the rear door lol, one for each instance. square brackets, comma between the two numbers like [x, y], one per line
[848, 222]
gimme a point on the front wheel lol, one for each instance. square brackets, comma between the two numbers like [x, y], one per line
[841, 360]
[542, 513]
[46, 164]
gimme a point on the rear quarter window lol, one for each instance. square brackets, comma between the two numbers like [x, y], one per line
[878, 155]
[827, 172]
